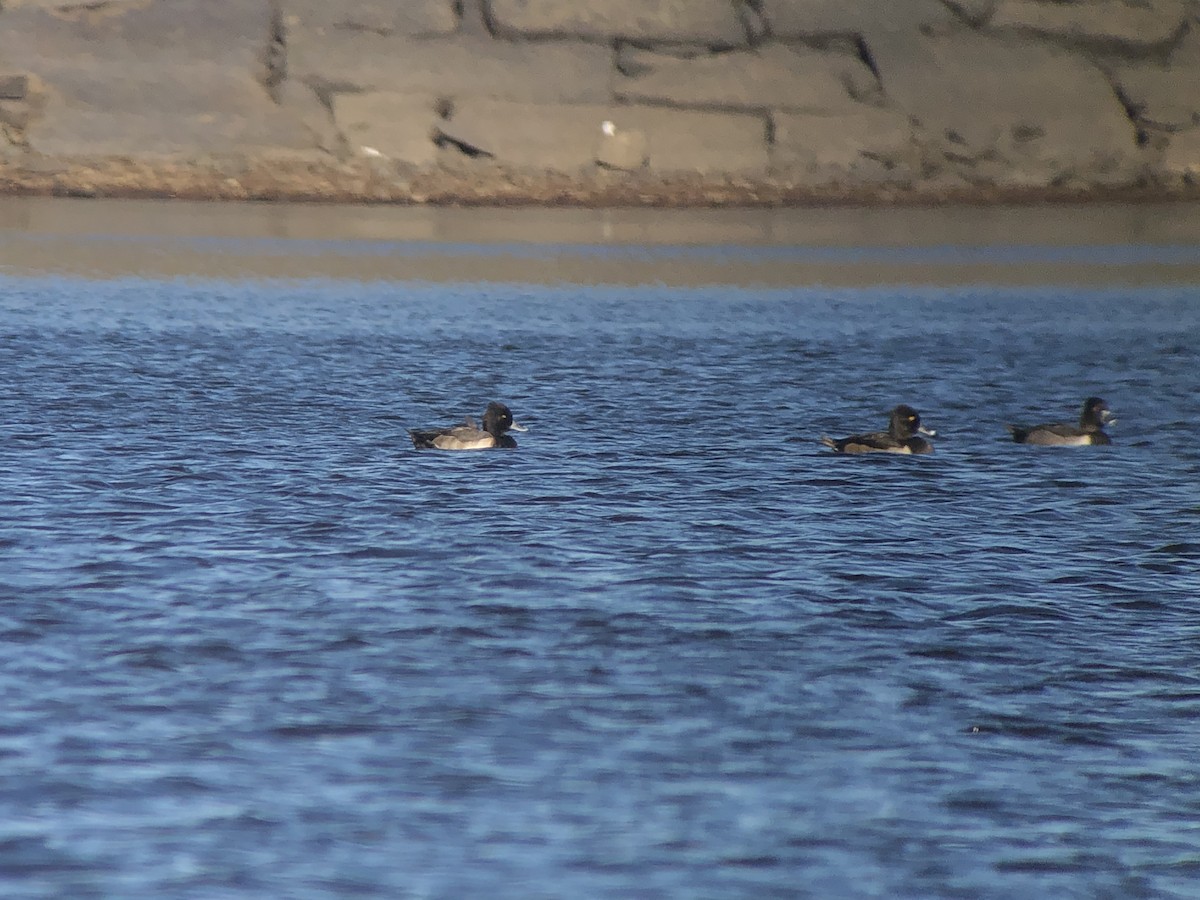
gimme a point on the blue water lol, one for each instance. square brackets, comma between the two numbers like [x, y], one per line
[252, 644]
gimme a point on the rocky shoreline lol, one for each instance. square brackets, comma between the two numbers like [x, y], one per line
[494, 186]
[602, 102]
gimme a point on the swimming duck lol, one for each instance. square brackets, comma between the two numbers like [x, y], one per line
[901, 436]
[1092, 420]
[497, 419]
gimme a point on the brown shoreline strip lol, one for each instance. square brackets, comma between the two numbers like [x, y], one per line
[491, 185]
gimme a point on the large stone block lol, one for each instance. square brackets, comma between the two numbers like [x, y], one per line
[568, 137]
[774, 76]
[627, 150]
[176, 78]
[974, 12]
[1182, 156]
[459, 66]
[1165, 96]
[412, 18]
[1095, 21]
[179, 78]
[233, 32]
[710, 22]
[113, 55]
[14, 87]
[866, 145]
[186, 111]
[562, 137]
[809, 18]
[301, 104]
[75, 9]
[394, 126]
[705, 142]
[1043, 111]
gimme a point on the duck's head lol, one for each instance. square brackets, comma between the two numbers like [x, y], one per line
[498, 418]
[1096, 413]
[906, 422]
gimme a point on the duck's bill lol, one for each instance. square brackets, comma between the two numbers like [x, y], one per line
[1107, 418]
[516, 426]
[929, 432]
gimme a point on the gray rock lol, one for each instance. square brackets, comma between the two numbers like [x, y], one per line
[622, 149]
[1182, 156]
[15, 114]
[709, 22]
[568, 137]
[773, 76]
[173, 78]
[808, 18]
[858, 92]
[1095, 21]
[233, 34]
[231, 29]
[388, 125]
[302, 104]
[754, 23]
[184, 112]
[559, 137]
[867, 145]
[1162, 96]
[75, 9]
[704, 142]
[13, 87]
[1047, 114]
[976, 12]
[462, 66]
[411, 18]
[1165, 96]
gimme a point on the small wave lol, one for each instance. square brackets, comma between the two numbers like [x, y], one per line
[1185, 549]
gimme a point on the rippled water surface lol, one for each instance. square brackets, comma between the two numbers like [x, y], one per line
[253, 644]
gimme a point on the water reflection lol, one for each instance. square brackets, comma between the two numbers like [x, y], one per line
[1094, 244]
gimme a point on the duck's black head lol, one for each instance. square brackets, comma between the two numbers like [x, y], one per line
[905, 422]
[498, 418]
[1095, 415]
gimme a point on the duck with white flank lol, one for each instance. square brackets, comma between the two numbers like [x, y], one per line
[497, 421]
[1092, 420]
[904, 426]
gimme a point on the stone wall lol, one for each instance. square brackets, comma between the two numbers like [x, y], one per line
[763, 97]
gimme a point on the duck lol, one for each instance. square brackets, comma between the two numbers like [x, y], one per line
[497, 421]
[904, 424]
[1092, 419]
